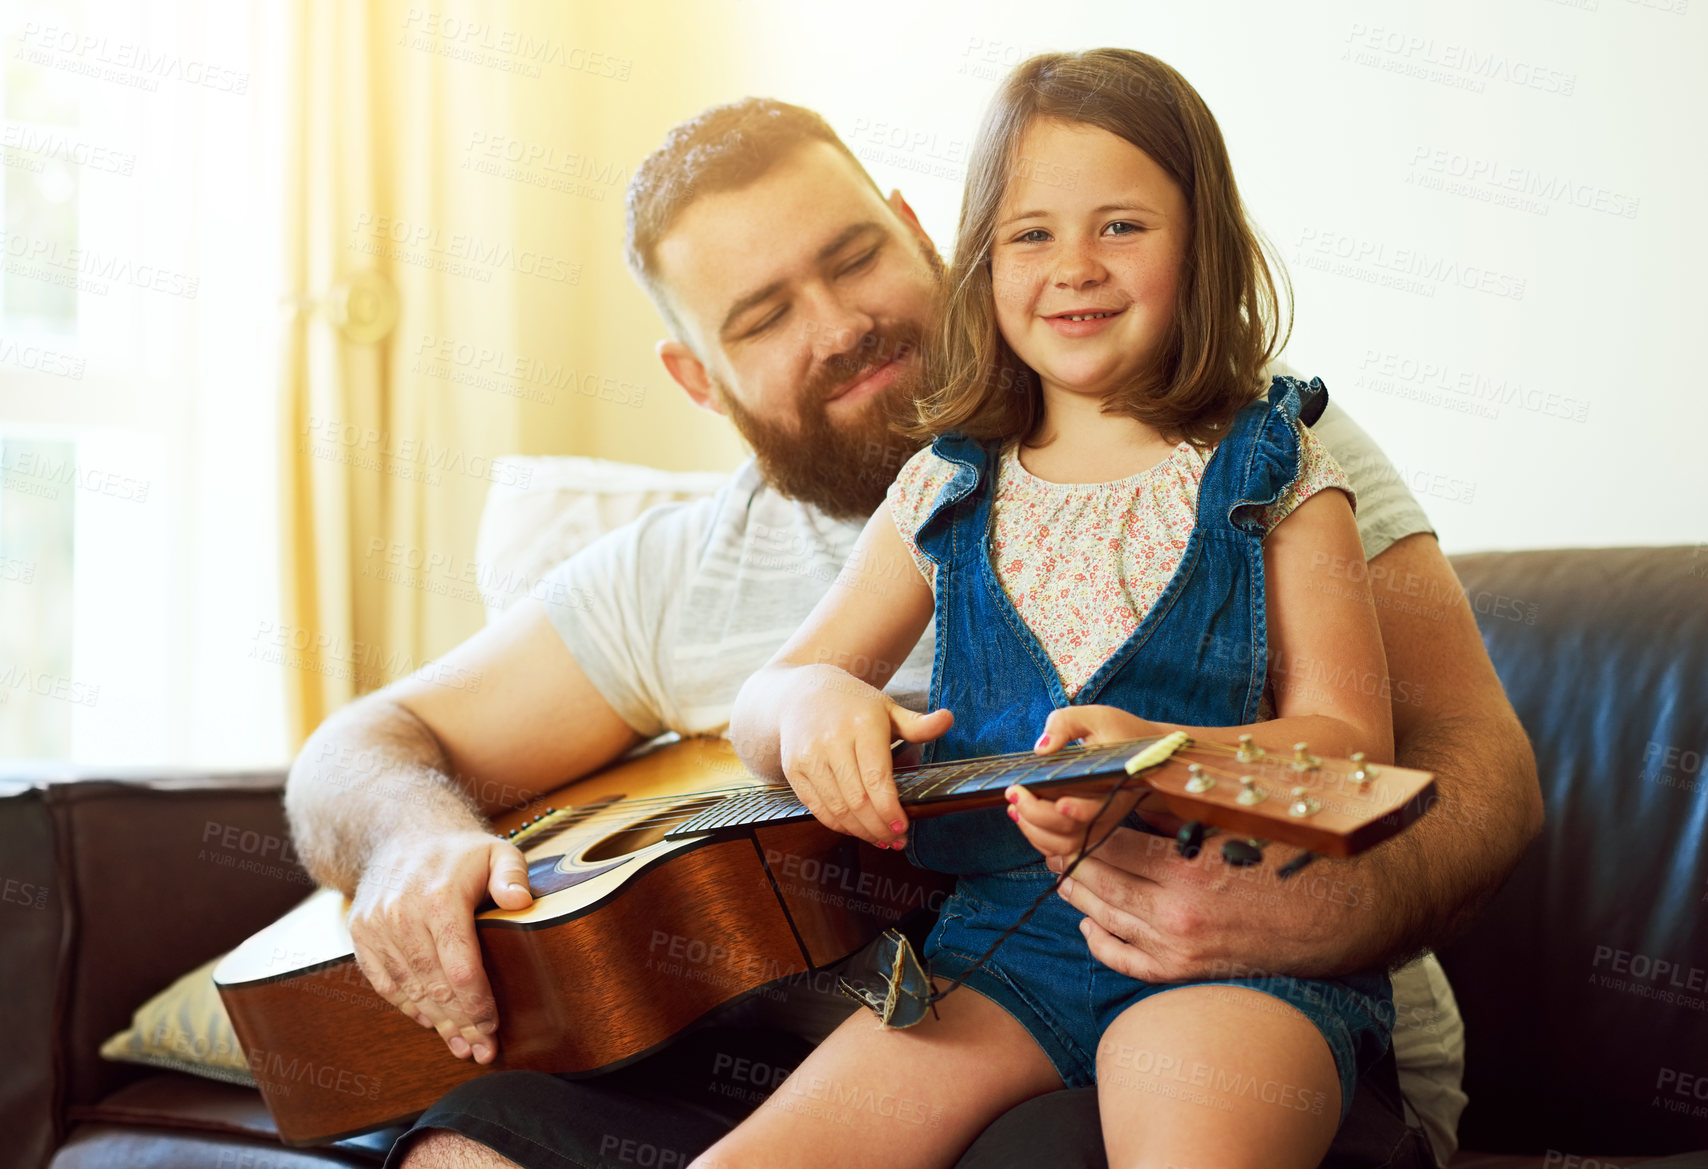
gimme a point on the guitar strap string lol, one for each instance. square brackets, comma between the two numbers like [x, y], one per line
[905, 993]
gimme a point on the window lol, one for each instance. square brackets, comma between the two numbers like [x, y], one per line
[139, 317]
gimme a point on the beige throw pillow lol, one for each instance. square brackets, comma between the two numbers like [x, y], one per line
[184, 1028]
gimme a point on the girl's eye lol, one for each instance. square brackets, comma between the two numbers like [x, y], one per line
[1122, 223]
[1036, 236]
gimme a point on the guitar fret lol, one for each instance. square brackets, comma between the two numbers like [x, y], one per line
[910, 786]
[1074, 768]
[938, 775]
[996, 779]
[773, 809]
[723, 814]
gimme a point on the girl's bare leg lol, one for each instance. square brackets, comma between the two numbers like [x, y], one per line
[1216, 1077]
[895, 1099]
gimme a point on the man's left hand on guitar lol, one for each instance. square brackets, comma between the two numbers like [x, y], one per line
[1151, 913]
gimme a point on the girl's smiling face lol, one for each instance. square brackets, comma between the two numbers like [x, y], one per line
[1090, 227]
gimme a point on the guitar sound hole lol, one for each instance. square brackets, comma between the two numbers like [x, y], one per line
[647, 829]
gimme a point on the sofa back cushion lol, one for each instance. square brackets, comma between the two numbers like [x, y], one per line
[1584, 984]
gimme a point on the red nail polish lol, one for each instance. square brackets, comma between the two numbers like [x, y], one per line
[897, 825]
[1043, 741]
[1013, 797]
[1014, 813]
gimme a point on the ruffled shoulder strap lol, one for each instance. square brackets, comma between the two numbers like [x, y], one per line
[960, 503]
[1259, 459]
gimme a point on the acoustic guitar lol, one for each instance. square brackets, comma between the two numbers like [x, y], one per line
[674, 882]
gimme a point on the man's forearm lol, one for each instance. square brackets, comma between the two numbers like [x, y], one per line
[367, 774]
[1428, 882]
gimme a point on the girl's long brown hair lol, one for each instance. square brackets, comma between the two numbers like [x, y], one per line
[1226, 322]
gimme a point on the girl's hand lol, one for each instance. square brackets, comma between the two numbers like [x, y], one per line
[1056, 827]
[834, 743]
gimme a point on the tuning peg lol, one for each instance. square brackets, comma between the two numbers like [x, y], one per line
[1197, 782]
[1189, 841]
[1248, 750]
[1303, 760]
[1294, 865]
[1363, 772]
[1240, 853]
[1304, 804]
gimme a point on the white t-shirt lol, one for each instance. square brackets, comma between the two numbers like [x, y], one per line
[669, 615]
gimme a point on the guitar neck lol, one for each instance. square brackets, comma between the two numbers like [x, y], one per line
[924, 785]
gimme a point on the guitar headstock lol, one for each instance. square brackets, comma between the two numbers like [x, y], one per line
[1326, 805]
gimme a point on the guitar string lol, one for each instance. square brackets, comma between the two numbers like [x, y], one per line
[935, 772]
[623, 808]
[713, 797]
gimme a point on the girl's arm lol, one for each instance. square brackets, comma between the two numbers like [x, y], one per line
[816, 714]
[1326, 663]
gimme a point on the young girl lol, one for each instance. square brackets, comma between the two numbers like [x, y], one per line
[1113, 514]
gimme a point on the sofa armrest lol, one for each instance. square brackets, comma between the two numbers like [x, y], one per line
[111, 889]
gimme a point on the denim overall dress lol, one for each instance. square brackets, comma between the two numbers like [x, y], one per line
[1198, 658]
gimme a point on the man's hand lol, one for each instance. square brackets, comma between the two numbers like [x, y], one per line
[412, 922]
[390, 800]
[1151, 914]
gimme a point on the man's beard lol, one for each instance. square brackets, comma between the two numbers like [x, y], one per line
[843, 469]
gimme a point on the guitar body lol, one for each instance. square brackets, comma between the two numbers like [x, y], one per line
[631, 939]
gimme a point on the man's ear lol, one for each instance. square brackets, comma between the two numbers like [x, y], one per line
[901, 207]
[689, 372]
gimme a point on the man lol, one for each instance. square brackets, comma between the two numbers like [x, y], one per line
[796, 298]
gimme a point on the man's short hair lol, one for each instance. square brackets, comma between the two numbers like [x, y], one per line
[724, 148]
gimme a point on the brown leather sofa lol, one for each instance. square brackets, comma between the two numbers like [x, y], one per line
[1581, 985]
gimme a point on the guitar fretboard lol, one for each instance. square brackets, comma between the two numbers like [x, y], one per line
[927, 783]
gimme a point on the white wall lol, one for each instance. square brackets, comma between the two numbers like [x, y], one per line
[1529, 363]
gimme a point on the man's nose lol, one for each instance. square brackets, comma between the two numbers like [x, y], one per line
[837, 327]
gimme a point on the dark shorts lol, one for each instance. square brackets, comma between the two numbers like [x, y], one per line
[665, 1110]
[1043, 975]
